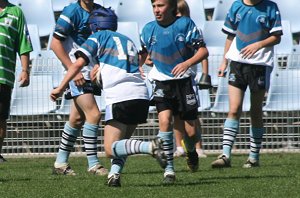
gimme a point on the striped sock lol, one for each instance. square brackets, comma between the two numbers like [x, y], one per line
[117, 165]
[68, 139]
[231, 128]
[123, 148]
[256, 136]
[168, 145]
[90, 134]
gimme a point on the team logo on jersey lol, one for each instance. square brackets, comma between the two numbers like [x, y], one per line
[8, 21]
[152, 40]
[190, 99]
[261, 19]
[179, 37]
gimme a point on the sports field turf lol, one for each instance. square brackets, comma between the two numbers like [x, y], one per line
[278, 176]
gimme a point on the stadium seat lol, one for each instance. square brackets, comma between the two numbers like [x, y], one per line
[221, 104]
[213, 35]
[284, 91]
[289, 12]
[142, 14]
[38, 12]
[34, 99]
[215, 59]
[48, 64]
[205, 101]
[221, 9]
[131, 30]
[113, 4]
[35, 40]
[210, 4]
[197, 12]
[58, 5]
[284, 49]
[215, 42]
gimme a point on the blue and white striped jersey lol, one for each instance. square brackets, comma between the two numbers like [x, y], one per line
[119, 68]
[250, 24]
[171, 45]
[73, 29]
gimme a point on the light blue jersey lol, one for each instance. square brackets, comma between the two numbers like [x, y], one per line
[73, 29]
[170, 45]
[251, 24]
[119, 68]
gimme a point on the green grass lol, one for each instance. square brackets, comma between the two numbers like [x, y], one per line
[278, 176]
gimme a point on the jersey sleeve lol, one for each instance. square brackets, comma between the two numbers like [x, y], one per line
[65, 24]
[88, 49]
[230, 23]
[24, 45]
[194, 37]
[276, 27]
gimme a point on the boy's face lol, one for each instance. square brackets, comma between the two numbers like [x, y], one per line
[162, 11]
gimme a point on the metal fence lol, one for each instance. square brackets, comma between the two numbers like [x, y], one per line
[36, 123]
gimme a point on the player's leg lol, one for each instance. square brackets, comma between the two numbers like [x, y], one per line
[69, 135]
[179, 131]
[231, 126]
[256, 129]
[87, 104]
[199, 146]
[5, 92]
[166, 134]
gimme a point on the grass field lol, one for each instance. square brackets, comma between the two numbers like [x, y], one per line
[278, 176]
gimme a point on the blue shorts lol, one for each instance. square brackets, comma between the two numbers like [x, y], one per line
[73, 90]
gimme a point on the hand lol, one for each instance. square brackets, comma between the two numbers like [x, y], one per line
[79, 80]
[250, 50]
[93, 73]
[55, 93]
[24, 79]
[222, 69]
[179, 69]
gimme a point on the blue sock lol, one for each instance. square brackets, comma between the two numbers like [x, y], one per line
[256, 136]
[90, 134]
[231, 128]
[168, 146]
[123, 148]
[68, 139]
[117, 165]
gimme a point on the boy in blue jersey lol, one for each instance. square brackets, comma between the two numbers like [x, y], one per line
[70, 32]
[253, 27]
[174, 44]
[126, 94]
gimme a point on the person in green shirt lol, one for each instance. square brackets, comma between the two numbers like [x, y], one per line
[14, 38]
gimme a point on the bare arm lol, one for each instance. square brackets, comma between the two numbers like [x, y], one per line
[250, 50]
[24, 76]
[57, 47]
[72, 72]
[224, 63]
[201, 54]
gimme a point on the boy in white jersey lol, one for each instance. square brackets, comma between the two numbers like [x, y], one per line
[253, 27]
[174, 44]
[70, 32]
[126, 94]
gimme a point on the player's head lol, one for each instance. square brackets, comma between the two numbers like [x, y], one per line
[172, 4]
[183, 8]
[103, 19]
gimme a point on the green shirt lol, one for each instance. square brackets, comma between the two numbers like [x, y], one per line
[14, 38]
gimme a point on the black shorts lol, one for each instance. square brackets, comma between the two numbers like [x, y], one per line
[5, 97]
[73, 91]
[242, 75]
[178, 96]
[128, 112]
